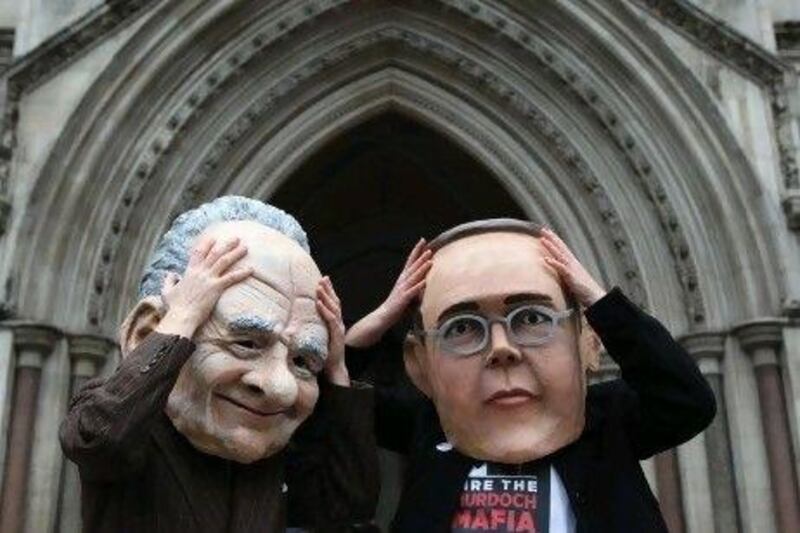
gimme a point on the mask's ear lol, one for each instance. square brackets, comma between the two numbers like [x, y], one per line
[140, 323]
[414, 359]
[590, 347]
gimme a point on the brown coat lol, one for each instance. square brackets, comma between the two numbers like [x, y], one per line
[139, 474]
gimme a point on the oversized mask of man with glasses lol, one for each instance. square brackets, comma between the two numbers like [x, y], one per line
[498, 345]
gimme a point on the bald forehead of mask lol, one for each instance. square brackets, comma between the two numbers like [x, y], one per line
[486, 269]
[279, 297]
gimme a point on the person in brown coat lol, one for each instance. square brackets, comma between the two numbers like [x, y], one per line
[207, 423]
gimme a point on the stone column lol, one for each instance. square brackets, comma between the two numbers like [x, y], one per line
[762, 340]
[790, 369]
[669, 490]
[33, 344]
[708, 350]
[88, 354]
[6, 390]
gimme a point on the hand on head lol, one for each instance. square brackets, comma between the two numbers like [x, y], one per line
[189, 299]
[409, 283]
[408, 286]
[330, 309]
[574, 276]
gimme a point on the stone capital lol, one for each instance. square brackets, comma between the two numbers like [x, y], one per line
[32, 336]
[5, 214]
[707, 348]
[760, 335]
[704, 344]
[88, 353]
[33, 341]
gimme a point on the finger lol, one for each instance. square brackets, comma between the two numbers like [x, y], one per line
[414, 253]
[553, 238]
[328, 301]
[554, 250]
[235, 276]
[415, 290]
[332, 315]
[423, 257]
[228, 259]
[219, 249]
[424, 261]
[560, 267]
[420, 273]
[329, 316]
[200, 251]
[324, 295]
[333, 294]
[331, 291]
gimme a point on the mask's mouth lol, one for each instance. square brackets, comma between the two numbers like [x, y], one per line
[510, 397]
[258, 411]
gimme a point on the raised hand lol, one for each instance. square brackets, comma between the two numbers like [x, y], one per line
[408, 286]
[330, 309]
[189, 299]
[572, 273]
[409, 283]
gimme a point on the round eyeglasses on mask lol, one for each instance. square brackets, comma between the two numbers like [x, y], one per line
[469, 333]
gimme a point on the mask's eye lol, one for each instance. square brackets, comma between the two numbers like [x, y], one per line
[245, 344]
[463, 334]
[245, 348]
[305, 365]
[530, 317]
[531, 325]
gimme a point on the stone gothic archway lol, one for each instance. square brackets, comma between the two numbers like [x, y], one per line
[574, 113]
[235, 114]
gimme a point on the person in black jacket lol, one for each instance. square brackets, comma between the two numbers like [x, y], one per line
[506, 435]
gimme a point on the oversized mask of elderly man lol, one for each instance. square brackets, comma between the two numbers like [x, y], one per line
[252, 378]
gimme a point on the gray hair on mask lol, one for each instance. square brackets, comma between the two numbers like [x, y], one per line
[172, 252]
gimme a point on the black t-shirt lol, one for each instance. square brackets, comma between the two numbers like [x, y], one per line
[500, 497]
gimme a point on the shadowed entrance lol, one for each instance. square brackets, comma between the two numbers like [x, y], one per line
[365, 199]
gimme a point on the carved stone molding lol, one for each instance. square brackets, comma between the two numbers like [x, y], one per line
[449, 58]
[70, 43]
[6, 48]
[787, 38]
[232, 65]
[791, 309]
[5, 214]
[746, 56]
[786, 142]
[718, 38]
[791, 208]
[7, 311]
[6, 57]
[49, 58]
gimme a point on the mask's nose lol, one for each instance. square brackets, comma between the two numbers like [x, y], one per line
[501, 351]
[271, 379]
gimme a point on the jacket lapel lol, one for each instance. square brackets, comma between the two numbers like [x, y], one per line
[430, 502]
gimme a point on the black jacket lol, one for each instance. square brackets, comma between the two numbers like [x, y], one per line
[661, 401]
